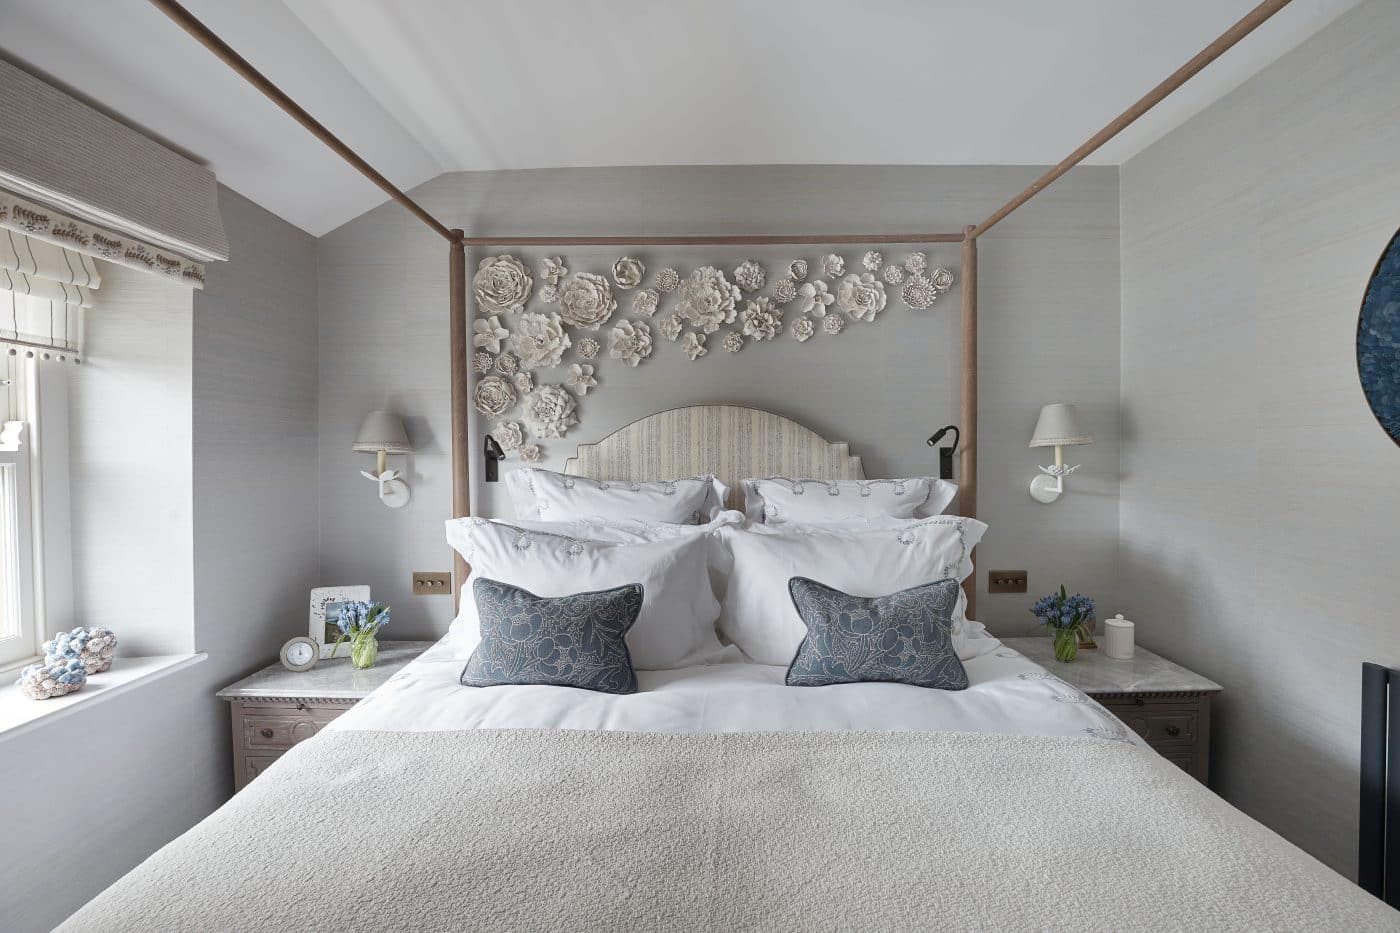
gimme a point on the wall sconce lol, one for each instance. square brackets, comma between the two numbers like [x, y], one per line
[383, 434]
[945, 455]
[1057, 427]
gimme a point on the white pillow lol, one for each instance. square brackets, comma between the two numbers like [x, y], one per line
[777, 500]
[676, 627]
[757, 613]
[541, 495]
[627, 530]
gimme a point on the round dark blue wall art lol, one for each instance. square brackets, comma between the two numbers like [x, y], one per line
[1378, 340]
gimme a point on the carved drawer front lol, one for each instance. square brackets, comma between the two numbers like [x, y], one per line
[274, 729]
[253, 765]
[1158, 723]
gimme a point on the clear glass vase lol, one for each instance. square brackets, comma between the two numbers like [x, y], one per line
[1066, 643]
[364, 650]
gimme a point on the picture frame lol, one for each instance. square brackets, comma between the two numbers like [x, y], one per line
[325, 605]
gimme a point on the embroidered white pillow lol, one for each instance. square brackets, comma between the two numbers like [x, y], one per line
[541, 495]
[778, 500]
[757, 613]
[676, 627]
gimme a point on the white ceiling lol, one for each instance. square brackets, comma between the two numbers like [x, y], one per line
[419, 87]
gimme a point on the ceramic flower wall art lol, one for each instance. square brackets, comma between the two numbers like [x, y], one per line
[861, 296]
[802, 329]
[550, 411]
[489, 333]
[580, 379]
[502, 284]
[784, 291]
[531, 453]
[734, 341]
[549, 294]
[693, 346]
[942, 279]
[833, 266]
[893, 274]
[919, 292]
[797, 270]
[494, 396]
[630, 342]
[539, 340]
[667, 280]
[646, 301]
[552, 269]
[587, 348]
[750, 276]
[628, 272]
[707, 299]
[507, 364]
[833, 324]
[509, 435]
[524, 383]
[761, 319]
[670, 327]
[482, 361]
[814, 298]
[586, 301]
[916, 261]
[872, 261]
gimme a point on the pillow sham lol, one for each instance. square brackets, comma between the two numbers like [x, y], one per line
[905, 637]
[542, 495]
[626, 530]
[676, 627]
[778, 500]
[757, 611]
[563, 641]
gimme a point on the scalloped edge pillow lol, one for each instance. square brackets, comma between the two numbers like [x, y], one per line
[777, 500]
[543, 495]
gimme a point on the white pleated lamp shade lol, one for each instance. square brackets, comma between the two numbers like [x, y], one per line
[382, 430]
[1058, 426]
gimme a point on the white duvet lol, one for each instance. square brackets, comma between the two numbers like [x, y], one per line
[1009, 694]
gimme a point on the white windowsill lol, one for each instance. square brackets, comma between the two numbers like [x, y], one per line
[19, 714]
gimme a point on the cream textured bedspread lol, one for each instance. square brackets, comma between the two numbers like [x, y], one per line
[571, 830]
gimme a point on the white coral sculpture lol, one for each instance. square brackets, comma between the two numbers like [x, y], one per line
[580, 379]
[694, 345]
[762, 319]
[630, 342]
[489, 333]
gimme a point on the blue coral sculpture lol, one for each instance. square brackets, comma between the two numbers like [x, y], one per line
[52, 679]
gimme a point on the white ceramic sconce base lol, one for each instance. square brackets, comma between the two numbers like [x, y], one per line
[1046, 489]
[393, 491]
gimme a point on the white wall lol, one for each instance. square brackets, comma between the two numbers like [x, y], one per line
[1049, 315]
[1260, 515]
[85, 798]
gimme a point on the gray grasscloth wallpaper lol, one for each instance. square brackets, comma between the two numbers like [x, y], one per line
[1260, 514]
[1049, 314]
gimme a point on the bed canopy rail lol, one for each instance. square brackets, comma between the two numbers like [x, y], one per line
[459, 240]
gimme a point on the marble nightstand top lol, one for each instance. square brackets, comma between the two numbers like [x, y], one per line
[1092, 672]
[331, 678]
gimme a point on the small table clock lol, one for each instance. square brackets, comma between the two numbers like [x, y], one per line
[300, 653]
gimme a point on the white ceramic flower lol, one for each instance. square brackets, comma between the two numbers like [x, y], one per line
[833, 324]
[734, 341]
[694, 345]
[628, 272]
[707, 299]
[667, 280]
[942, 279]
[784, 291]
[814, 298]
[531, 453]
[872, 260]
[586, 301]
[861, 296]
[919, 292]
[670, 327]
[489, 333]
[802, 329]
[502, 283]
[552, 269]
[493, 396]
[646, 301]
[833, 266]
[587, 348]
[524, 383]
[893, 274]
[507, 364]
[750, 276]
[539, 340]
[916, 261]
[549, 294]
[580, 379]
[630, 342]
[509, 435]
[797, 269]
[762, 319]
[550, 411]
[483, 361]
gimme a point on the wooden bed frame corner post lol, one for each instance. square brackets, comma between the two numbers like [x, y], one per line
[461, 455]
[967, 475]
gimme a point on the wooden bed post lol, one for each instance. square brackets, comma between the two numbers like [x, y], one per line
[967, 475]
[461, 455]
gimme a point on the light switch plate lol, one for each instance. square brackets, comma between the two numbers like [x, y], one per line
[432, 584]
[1006, 581]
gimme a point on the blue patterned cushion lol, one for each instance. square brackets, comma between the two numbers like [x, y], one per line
[564, 641]
[906, 637]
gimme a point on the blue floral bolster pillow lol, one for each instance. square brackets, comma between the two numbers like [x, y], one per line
[562, 641]
[905, 637]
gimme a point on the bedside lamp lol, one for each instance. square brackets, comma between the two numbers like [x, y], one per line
[382, 433]
[1057, 427]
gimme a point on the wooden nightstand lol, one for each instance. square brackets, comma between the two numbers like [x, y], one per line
[275, 708]
[1166, 704]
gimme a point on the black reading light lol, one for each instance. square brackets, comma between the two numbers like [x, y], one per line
[945, 454]
[494, 455]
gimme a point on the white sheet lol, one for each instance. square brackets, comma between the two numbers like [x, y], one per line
[1009, 694]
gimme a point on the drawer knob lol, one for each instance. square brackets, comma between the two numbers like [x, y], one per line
[1173, 730]
[1138, 701]
[266, 733]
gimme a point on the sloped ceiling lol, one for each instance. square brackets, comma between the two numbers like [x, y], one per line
[419, 87]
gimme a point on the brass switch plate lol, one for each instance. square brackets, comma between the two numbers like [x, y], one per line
[432, 584]
[1006, 581]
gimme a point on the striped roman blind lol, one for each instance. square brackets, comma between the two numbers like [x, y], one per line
[43, 291]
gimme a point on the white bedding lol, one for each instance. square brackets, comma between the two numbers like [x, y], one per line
[1009, 694]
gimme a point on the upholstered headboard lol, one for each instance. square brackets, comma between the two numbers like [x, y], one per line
[731, 442]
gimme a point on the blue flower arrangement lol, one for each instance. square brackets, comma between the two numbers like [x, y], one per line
[1068, 619]
[360, 622]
